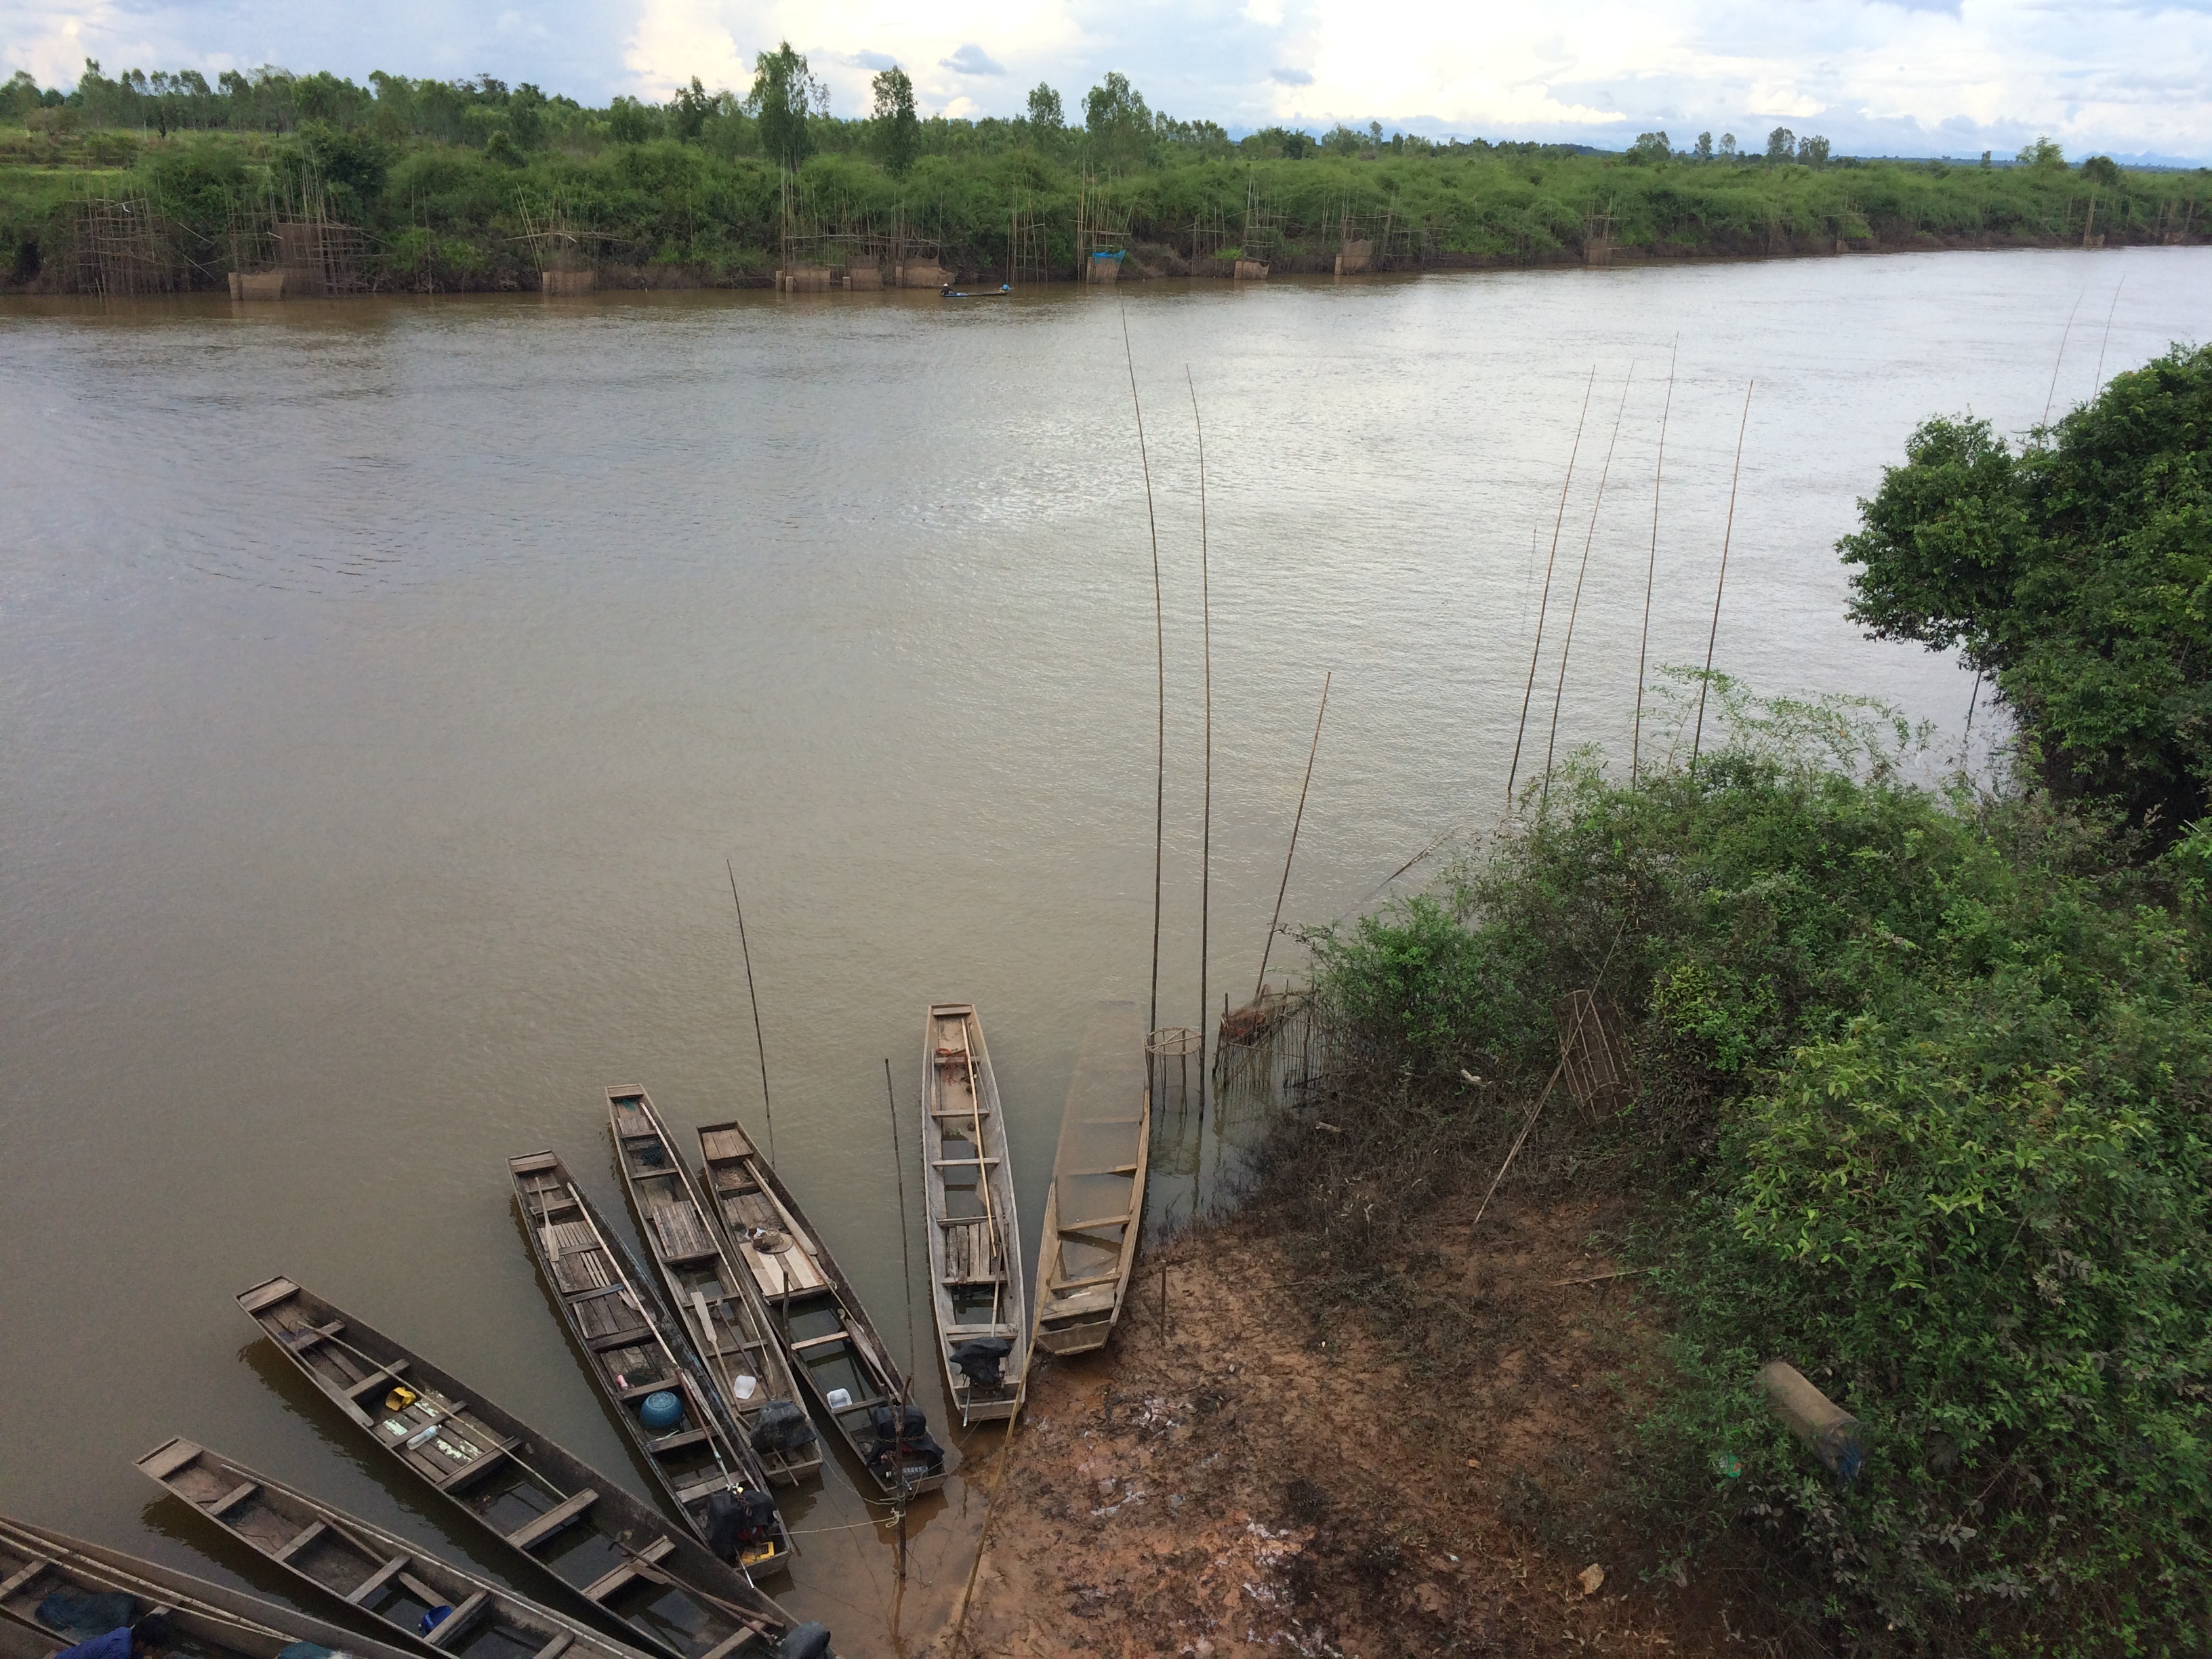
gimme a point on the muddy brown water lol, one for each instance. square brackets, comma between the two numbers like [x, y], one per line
[383, 684]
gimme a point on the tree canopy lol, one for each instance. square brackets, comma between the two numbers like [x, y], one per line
[2077, 571]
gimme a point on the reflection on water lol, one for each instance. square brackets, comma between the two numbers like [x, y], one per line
[383, 684]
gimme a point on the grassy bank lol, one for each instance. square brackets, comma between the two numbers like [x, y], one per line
[660, 200]
[1920, 1078]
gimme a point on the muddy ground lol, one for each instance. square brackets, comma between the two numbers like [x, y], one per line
[1251, 1474]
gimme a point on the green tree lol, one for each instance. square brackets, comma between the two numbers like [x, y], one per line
[2078, 572]
[1650, 147]
[2102, 170]
[1781, 145]
[785, 92]
[898, 129]
[688, 111]
[629, 122]
[1046, 115]
[2042, 153]
[1704, 151]
[1117, 121]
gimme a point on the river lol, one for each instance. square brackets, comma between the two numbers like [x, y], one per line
[384, 683]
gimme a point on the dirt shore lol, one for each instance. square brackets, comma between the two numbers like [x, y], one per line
[1245, 1475]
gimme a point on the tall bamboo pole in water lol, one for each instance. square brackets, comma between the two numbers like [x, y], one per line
[1160, 642]
[759, 1045]
[1206, 834]
[1704, 684]
[1278, 921]
[1537, 650]
[1651, 570]
[1559, 692]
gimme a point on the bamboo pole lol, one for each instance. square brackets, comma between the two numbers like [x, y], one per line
[1704, 684]
[1206, 834]
[1559, 692]
[1160, 643]
[1651, 570]
[759, 1045]
[1537, 650]
[1295, 823]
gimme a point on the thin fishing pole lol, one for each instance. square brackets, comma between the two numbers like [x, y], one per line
[1705, 683]
[906, 1252]
[1295, 823]
[1651, 571]
[1160, 641]
[760, 1045]
[2059, 361]
[1537, 650]
[2107, 340]
[1206, 834]
[1566, 650]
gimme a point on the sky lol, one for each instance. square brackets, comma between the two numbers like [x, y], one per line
[1912, 77]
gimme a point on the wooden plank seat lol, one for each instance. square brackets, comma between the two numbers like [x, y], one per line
[449, 1628]
[16, 1581]
[600, 1588]
[532, 1533]
[377, 1580]
[300, 1540]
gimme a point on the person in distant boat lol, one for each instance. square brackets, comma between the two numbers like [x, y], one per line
[147, 1639]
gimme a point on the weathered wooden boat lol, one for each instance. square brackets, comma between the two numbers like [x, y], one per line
[217, 1621]
[633, 1353]
[721, 1315]
[833, 1347]
[974, 1235]
[658, 1587]
[427, 1605]
[1096, 1205]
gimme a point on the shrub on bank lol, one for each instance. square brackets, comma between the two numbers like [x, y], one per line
[1924, 1076]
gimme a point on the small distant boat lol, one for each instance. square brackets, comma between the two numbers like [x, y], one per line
[716, 1306]
[1095, 1207]
[833, 1347]
[426, 1603]
[1003, 291]
[631, 1351]
[664, 1590]
[974, 1237]
[49, 1581]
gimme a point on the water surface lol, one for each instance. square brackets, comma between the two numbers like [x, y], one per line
[383, 685]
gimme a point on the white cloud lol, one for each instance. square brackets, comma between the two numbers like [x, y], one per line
[1896, 75]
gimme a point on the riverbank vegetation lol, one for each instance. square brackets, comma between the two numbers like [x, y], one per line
[1919, 1081]
[476, 185]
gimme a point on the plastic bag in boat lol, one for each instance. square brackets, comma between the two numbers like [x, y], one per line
[738, 1519]
[923, 1454]
[784, 1426]
[980, 1360]
[806, 1641]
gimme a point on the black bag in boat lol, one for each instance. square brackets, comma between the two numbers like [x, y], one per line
[736, 1520]
[806, 1641]
[981, 1359]
[920, 1451]
[784, 1426]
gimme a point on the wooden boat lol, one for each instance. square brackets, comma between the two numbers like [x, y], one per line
[217, 1621]
[660, 1588]
[633, 1351]
[1095, 1207]
[720, 1312]
[396, 1583]
[834, 1349]
[974, 1235]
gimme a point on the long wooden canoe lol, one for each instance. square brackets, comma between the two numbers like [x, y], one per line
[833, 1347]
[633, 1351]
[219, 1622]
[974, 1235]
[657, 1585]
[720, 1311]
[1095, 1207]
[398, 1583]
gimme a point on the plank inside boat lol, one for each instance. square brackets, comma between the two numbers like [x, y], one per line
[213, 1621]
[633, 1350]
[423, 1600]
[1094, 1209]
[717, 1311]
[833, 1347]
[651, 1582]
[974, 1238]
